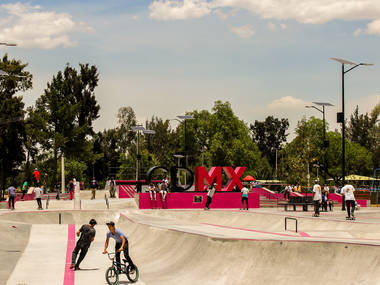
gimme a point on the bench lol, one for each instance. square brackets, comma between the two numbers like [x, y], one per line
[297, 201]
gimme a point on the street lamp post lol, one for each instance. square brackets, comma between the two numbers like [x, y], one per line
[325, 142]
[139, 129]
[341, 116]
[185, 118]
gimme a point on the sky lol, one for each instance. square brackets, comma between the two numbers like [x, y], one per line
[167, 57]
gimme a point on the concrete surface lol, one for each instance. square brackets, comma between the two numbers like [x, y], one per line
[195, 246]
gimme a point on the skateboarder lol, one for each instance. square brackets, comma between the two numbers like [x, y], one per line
[11, 197]
[348, 191]
[37, 195]
[36, 177]
[24, 189]
[121, 244]
[317, 197]
[210, 194]
[87, 236]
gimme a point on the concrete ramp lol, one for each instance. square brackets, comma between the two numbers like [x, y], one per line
[193, 247]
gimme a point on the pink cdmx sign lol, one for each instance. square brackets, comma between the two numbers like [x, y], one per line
[204, 177]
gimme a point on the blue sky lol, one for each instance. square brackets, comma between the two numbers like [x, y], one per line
[167, 57]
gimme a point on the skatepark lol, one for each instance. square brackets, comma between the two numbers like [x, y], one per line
[220, 246]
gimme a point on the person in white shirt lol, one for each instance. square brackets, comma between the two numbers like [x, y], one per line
[210, 194]
[244, 197]
[287, 191]
[37, 195]
[317, 197]
[348, 191]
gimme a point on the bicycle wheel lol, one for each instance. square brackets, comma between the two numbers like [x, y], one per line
[132, 274]
[112, 276]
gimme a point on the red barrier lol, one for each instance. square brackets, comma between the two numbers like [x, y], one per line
[197, 200]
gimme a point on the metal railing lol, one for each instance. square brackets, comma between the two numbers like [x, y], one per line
[286, 223]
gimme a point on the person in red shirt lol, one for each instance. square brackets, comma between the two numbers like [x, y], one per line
[36, 177]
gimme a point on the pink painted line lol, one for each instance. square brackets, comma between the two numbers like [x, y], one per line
[69, 278]
[303, 234]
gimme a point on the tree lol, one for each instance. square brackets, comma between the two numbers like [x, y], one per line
[12, 127]
[360, 129]
[306, 149]
[269, 135]
[66, 111]
[220, 138]
[164, 143]
[126, 120]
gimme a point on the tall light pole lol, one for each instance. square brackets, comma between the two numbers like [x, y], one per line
[138, 130]
[184, 118]
[341, 116]
[325, 142]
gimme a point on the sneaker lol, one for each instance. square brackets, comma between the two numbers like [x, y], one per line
[72, 266]
[76, 268]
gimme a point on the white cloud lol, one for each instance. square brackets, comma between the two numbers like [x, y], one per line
[305, 11]
[373, 28]
[179, 10]
[357, 32]
[272, 27]
[245, 31]
[221, 14]
[287, 102]
[31, 27]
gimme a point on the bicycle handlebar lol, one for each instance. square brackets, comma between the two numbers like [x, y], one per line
[111, 255]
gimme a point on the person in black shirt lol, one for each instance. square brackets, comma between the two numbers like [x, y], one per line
[87, 235]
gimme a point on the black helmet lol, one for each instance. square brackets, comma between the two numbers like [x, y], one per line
[92, 222]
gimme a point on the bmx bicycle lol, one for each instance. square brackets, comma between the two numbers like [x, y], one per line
[112, 273]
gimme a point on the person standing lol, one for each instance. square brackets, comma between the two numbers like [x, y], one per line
[87, 235]
[287, 192]
[244, 197]
[343, 199]
[348, 191]
[210, 195]
[37, 195]
[112, 188]
[71, 189]
[24, 189]
[36, 177]
[58, 190]
[11, 197]
[121, 244]
[317, 197]
[93, 186]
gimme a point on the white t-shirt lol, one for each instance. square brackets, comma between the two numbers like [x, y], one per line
[245, 191]
[37, 192]
[348, 192]
[318, 192]
[211, 192]
[326, 188]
